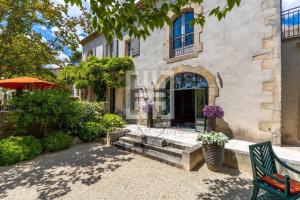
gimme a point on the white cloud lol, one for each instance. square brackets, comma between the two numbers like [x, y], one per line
[62, 56]
[52, 66]
[59, 2]
[287, 4]
[43, 28]
[55, 29]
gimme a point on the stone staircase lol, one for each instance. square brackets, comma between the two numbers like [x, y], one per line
[165, 151]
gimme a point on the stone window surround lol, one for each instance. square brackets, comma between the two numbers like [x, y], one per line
[197, 9]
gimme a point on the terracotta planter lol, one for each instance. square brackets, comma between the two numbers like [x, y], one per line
[213, 156]
[211, 124]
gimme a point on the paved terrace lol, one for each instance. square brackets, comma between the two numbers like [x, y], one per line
[188, 137]
[92, 171]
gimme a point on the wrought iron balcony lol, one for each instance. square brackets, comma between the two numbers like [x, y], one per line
[181, 45]
[290, 20]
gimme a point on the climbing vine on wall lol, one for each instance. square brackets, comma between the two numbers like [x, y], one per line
[99, 73]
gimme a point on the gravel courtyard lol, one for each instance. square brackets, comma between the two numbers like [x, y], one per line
[92, 171]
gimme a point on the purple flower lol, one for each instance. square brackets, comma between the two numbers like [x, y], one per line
[213, 112]
[146, 108]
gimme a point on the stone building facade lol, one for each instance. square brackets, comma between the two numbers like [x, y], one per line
[239, 58]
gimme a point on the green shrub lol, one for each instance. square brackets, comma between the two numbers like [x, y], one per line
[15, 149]
[57, 141]
[112, 121]
[90, 111]
[91, 131]
[41, 111]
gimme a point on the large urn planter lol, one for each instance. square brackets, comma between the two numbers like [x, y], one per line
[211, 124]
[213, 156]
[213, 143]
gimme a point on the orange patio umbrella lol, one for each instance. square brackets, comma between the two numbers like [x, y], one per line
[26, 83]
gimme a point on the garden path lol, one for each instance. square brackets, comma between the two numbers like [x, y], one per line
[93, 171]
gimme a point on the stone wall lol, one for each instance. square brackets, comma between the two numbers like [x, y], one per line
[291, 91]
[242, 54]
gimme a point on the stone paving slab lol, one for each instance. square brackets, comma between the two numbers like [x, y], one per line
[289, 154]
[92, 171]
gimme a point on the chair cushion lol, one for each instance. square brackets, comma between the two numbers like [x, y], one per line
[294, 185]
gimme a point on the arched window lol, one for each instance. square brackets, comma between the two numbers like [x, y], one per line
[183, 35]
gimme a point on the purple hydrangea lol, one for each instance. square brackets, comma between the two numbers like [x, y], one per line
[213, 112]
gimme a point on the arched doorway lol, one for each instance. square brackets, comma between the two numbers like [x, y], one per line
[185, 96]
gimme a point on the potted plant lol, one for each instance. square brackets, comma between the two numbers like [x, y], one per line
[212, 113]
[213, 148]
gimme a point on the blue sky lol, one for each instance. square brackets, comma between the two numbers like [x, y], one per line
[75, 12]
[287, 4]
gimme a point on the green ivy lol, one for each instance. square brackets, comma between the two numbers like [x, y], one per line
[99, 73]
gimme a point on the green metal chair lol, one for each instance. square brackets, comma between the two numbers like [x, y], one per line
[264, 168]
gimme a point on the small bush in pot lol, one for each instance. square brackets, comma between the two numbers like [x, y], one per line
[57, 141]
[213, 148]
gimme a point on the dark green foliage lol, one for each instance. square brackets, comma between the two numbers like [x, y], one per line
[89, 111]
[112, 121]
[15, 149]
[99, 73]
[113, 18]
[57, 141]
[43, 111]
[91, 131]
[23, 50]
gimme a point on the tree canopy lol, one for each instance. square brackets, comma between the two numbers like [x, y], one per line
[113, 17]
[23, 50]
[99, 73]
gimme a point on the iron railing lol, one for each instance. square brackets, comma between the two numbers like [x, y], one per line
[181, 45]
[290, 21]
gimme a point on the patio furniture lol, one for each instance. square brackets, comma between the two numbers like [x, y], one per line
[266, 177]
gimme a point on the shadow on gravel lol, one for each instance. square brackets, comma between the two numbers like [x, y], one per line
[53, 174]
[232, 187]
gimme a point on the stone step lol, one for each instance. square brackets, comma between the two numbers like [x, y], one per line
[169, 150]
[156, 155]
[172, 143]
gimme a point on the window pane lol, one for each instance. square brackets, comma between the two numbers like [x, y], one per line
[189, 80]
[177, 43]
[178, 22]
[177, 31]
[189, 16]
[178, 80]
[201, 82]
[189, 39]
[188, 28]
